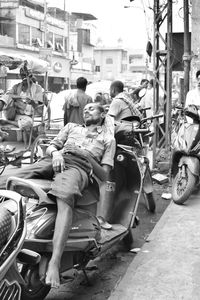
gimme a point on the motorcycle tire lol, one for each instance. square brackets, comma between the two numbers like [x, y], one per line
[34, 289]
[150, 201]
[181, 193]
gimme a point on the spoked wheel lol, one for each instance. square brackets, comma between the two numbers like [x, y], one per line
[150, 201]
[182, 187]
[33, 289]
[38, 148]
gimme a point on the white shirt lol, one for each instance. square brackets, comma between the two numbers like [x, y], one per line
[193, 97]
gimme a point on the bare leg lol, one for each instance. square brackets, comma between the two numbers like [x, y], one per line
[106, 200]
[62, 228]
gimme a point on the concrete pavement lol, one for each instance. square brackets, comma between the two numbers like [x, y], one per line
[168, 265]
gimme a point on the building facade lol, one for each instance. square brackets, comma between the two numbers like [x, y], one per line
[27, 27]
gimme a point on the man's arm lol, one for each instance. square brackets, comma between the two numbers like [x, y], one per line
[115, 108]
[1, 105]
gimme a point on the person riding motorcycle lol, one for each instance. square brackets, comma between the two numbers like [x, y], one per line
[122, 105]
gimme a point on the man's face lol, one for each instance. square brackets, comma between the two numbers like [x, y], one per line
[92, 114]
[112, 91]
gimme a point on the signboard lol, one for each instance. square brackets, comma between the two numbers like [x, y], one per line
[9, 3]
[46, 54]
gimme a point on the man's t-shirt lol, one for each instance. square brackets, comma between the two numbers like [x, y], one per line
[74, 105]
[120, 109]
[100, 143]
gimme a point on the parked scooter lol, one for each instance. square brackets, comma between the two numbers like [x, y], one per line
[186, 157]
[12, 236]
[87, 240]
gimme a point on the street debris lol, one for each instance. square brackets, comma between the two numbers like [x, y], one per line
[166, 196]
[160, 178]
[135, 250]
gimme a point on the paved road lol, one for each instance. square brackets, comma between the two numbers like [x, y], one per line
[113, 265]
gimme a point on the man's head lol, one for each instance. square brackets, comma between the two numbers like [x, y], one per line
[93, 114]
[198, 78]
[81, 83]
[25, 75]
[150, 84]
[144, 82]
[116, 87]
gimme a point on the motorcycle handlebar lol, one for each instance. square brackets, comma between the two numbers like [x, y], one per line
[152, 117]
[141, 130]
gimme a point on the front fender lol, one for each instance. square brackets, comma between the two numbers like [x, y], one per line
[147, 183]
[192, 164]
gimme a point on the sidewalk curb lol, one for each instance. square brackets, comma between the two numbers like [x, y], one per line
[168, 265]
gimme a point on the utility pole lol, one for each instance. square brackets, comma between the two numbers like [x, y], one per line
[187, 54]
[162, 62]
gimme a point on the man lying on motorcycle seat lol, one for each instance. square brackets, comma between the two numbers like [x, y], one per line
[76, 152]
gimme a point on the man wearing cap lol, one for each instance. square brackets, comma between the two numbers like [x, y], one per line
[19, 103]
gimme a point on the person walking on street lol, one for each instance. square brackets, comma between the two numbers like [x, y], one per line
[75, 103]
[193, 96]
[147, 100]
[122, 105]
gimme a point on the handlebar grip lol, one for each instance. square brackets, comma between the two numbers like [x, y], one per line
[141, 130]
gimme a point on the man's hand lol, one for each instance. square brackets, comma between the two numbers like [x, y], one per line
[30, 101]
[57, 162]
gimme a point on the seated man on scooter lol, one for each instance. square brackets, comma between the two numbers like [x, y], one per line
[76, 152]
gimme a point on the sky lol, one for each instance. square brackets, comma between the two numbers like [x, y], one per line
[115, 21]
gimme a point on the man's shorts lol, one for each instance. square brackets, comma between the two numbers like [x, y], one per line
[68, 185]
[24, 121]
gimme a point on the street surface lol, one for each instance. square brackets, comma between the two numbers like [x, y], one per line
[113, 265]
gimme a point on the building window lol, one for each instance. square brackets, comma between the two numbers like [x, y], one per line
[24, 34]
[124, 55]
[50, 39]
[58, 43]
[97, 69]
[109, 61]
[124, 68]
[36, 37]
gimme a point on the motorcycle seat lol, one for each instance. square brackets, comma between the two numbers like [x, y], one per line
[25, 188]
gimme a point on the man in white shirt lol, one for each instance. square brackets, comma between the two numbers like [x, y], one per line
[193, 96]
[147, 100]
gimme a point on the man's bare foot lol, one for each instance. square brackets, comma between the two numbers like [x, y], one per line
[52, 276]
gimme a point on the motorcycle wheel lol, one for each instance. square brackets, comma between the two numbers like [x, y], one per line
[33, 289]
[150, 202]
[183, 187]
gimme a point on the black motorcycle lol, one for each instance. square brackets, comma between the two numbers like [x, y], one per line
[87, 240]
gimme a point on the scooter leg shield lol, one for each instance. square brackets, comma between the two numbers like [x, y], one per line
[192, 163]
